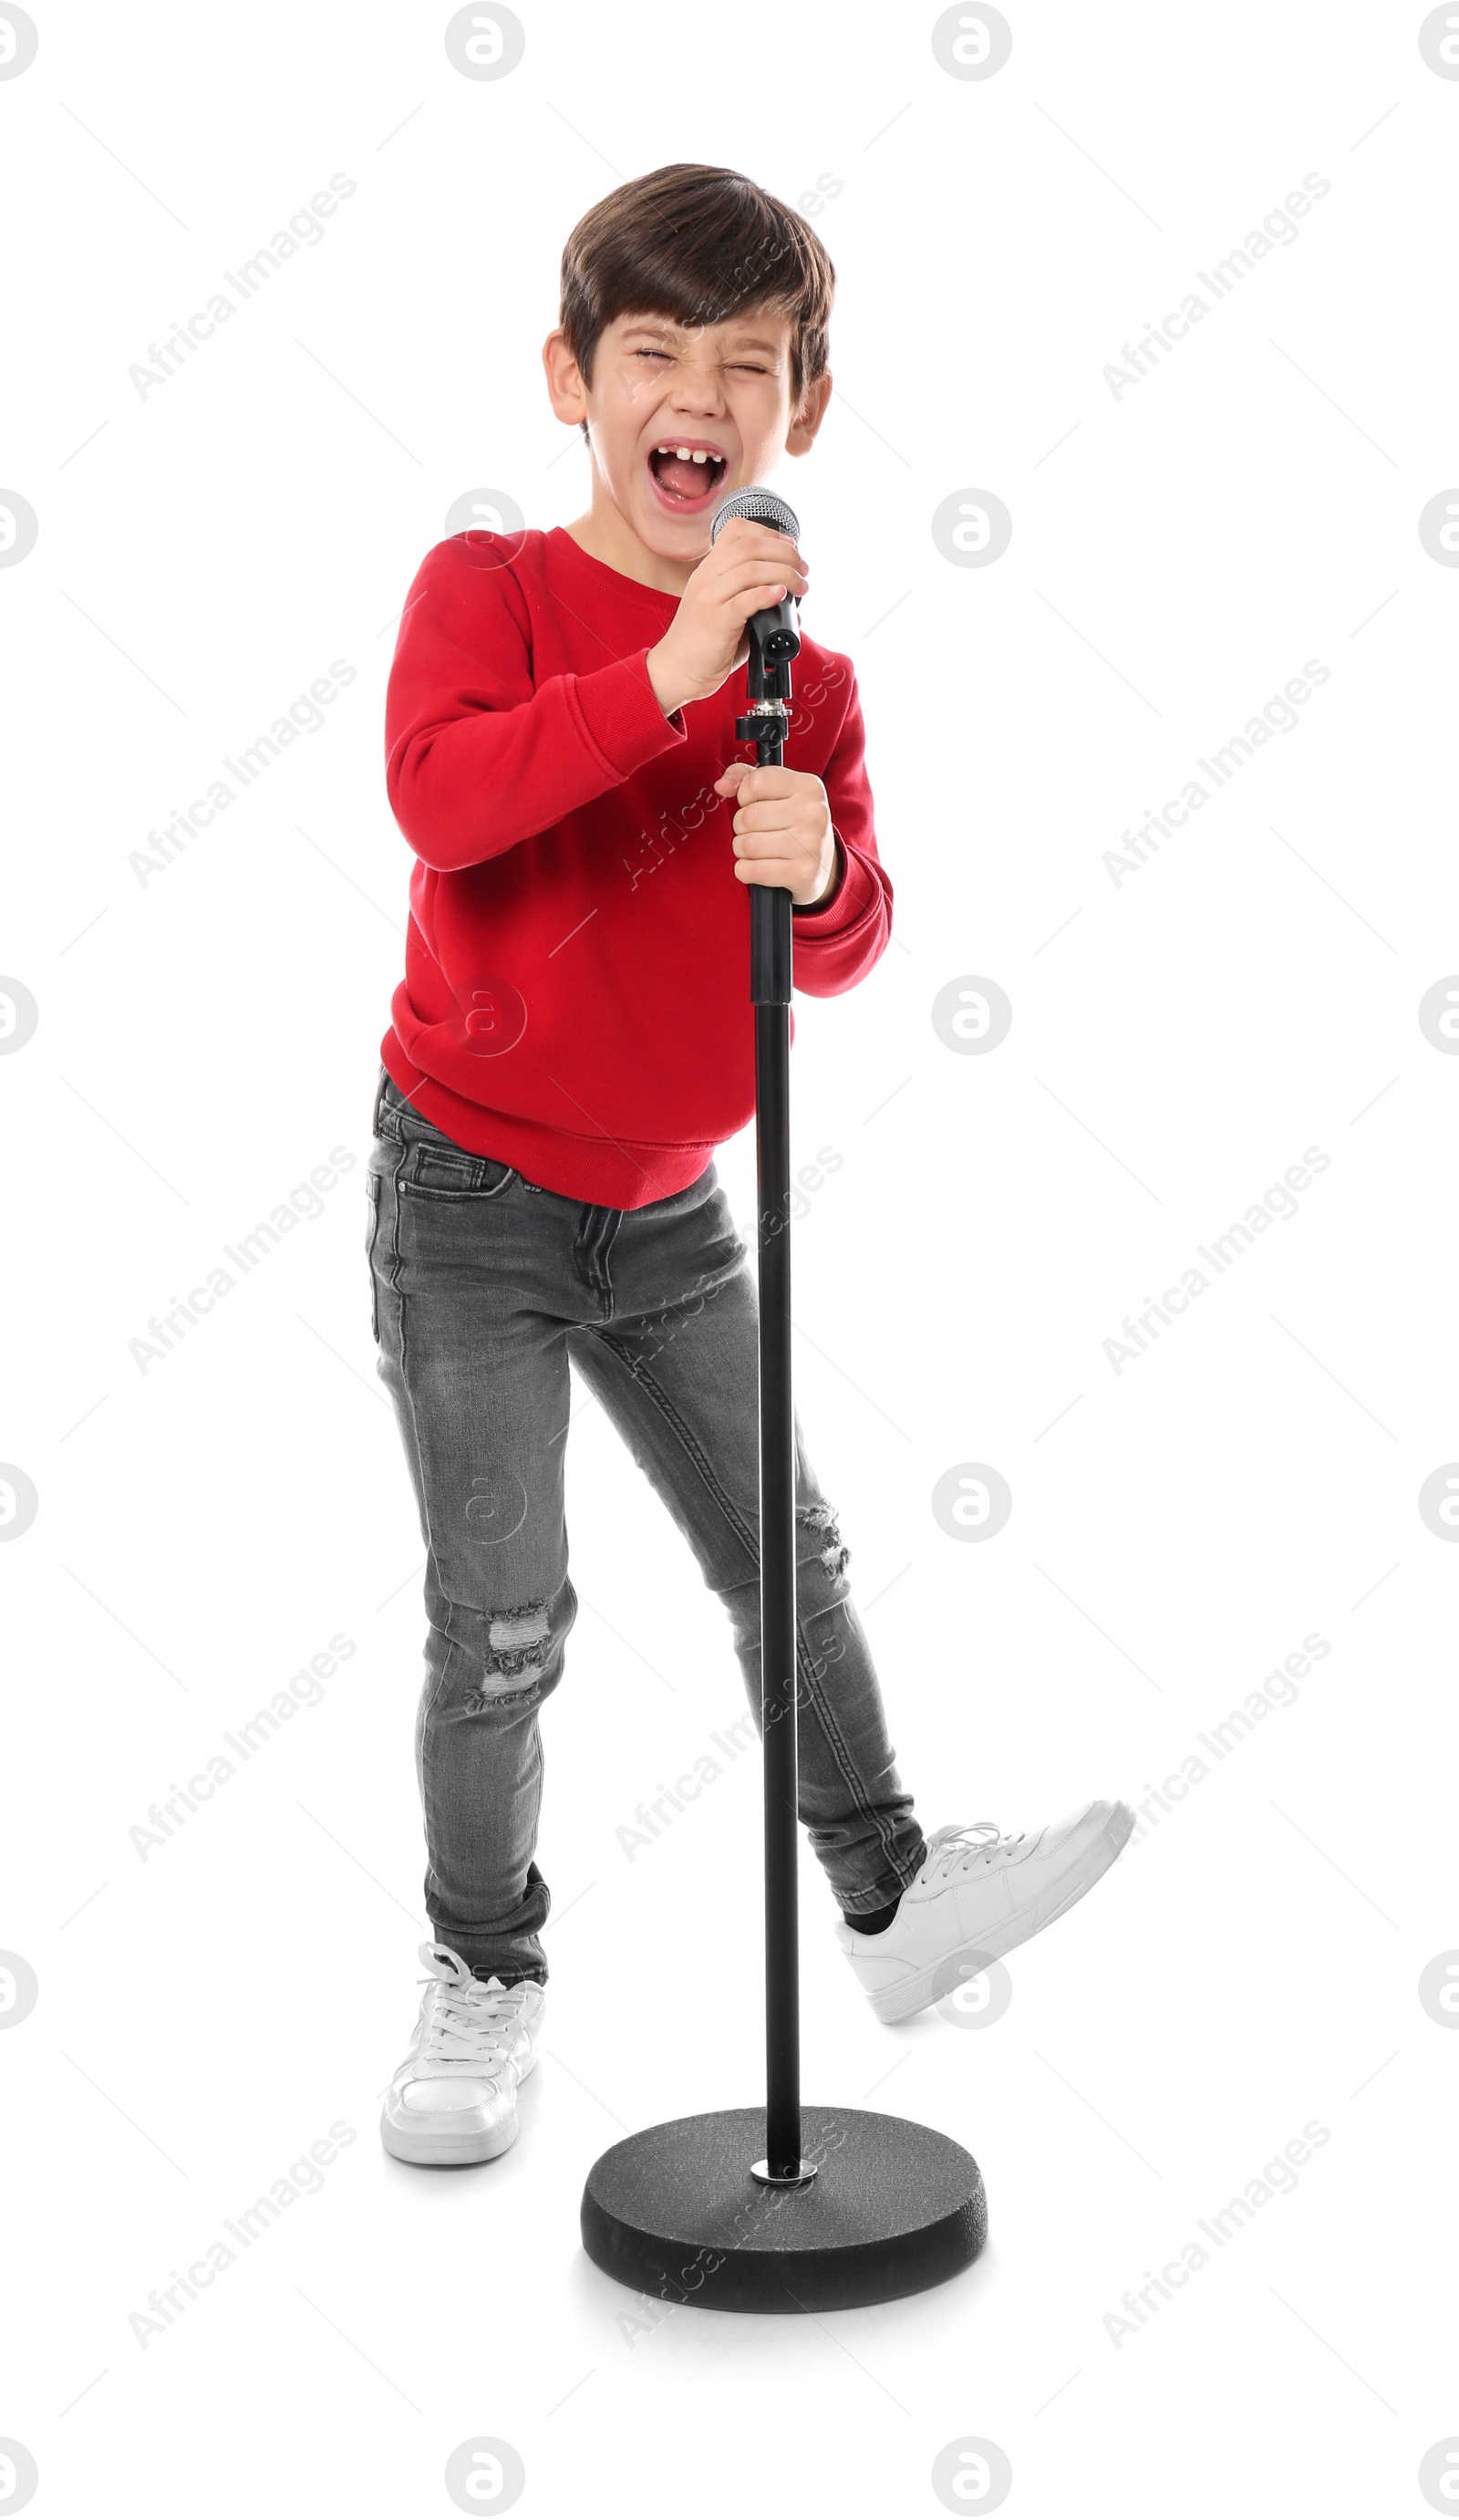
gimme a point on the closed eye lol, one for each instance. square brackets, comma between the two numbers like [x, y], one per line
[741, 367]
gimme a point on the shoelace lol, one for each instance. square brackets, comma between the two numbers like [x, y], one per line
[966, 1842]
[467, 2026]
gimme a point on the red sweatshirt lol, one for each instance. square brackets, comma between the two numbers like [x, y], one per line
[576, 998]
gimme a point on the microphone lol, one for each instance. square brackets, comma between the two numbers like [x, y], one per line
[774, 635]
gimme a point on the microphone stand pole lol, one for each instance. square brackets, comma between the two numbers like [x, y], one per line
[766, 724]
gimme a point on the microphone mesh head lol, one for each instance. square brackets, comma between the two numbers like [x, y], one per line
[762, 507]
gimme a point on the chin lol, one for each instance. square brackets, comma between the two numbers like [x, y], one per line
[669, 539]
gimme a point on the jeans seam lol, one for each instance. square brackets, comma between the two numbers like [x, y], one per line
[374, 1188]
[426, 1793]
[597, 1248]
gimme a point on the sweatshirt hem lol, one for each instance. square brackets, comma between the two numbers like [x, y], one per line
[601, 1172]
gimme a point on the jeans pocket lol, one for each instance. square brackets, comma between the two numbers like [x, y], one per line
[437, 1169]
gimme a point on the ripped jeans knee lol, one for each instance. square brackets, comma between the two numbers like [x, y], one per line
[518, 1658]
[517, 1643]
[504, 1660]
[821, 1521]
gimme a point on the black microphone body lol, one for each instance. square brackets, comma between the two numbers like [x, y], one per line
[774, 634]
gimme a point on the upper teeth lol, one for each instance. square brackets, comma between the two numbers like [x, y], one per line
[689, 454]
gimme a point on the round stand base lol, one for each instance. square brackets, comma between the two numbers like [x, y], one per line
[677, 2213]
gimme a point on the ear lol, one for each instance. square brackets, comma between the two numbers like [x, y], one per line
[808, 419]
[566, 391]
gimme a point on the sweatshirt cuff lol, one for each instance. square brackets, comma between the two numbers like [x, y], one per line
[849, 902]
[621, 717]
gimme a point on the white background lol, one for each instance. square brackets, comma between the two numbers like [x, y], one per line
[1179, 1039]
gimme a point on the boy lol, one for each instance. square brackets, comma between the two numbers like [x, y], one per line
[571, 1042]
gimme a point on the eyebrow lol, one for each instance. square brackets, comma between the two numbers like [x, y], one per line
[665, 332]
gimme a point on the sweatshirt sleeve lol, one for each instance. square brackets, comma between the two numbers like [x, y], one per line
[837, 945]
[476, 758]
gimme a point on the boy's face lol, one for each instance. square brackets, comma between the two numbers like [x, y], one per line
[680, 415]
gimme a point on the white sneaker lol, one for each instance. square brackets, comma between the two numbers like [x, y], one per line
[981, 1892]
[454, 2099]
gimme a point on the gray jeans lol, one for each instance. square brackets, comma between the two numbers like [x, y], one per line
[484, 1288]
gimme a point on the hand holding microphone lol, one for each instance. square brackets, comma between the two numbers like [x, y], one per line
[750, 568]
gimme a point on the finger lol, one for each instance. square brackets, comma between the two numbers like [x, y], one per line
[752, 530]
[732, 778]
[780, 844]
[772, 871]
[767, 816]
[761, 783]
[757, 566]
[744, 532]
[758, 599]
[767, 564]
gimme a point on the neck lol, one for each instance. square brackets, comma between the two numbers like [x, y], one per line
[604, 533]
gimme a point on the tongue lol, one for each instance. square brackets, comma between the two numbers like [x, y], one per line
[689, 479]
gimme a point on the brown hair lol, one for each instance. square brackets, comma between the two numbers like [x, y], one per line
[698, 243]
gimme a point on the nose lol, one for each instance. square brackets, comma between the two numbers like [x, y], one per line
[697, 388]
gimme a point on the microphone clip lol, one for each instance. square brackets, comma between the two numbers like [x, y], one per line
[766, 725]
[774, 639]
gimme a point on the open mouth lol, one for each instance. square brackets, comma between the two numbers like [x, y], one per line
[687, 474]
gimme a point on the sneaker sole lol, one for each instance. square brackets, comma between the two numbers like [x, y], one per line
[429, 2150]
[899, 2003]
